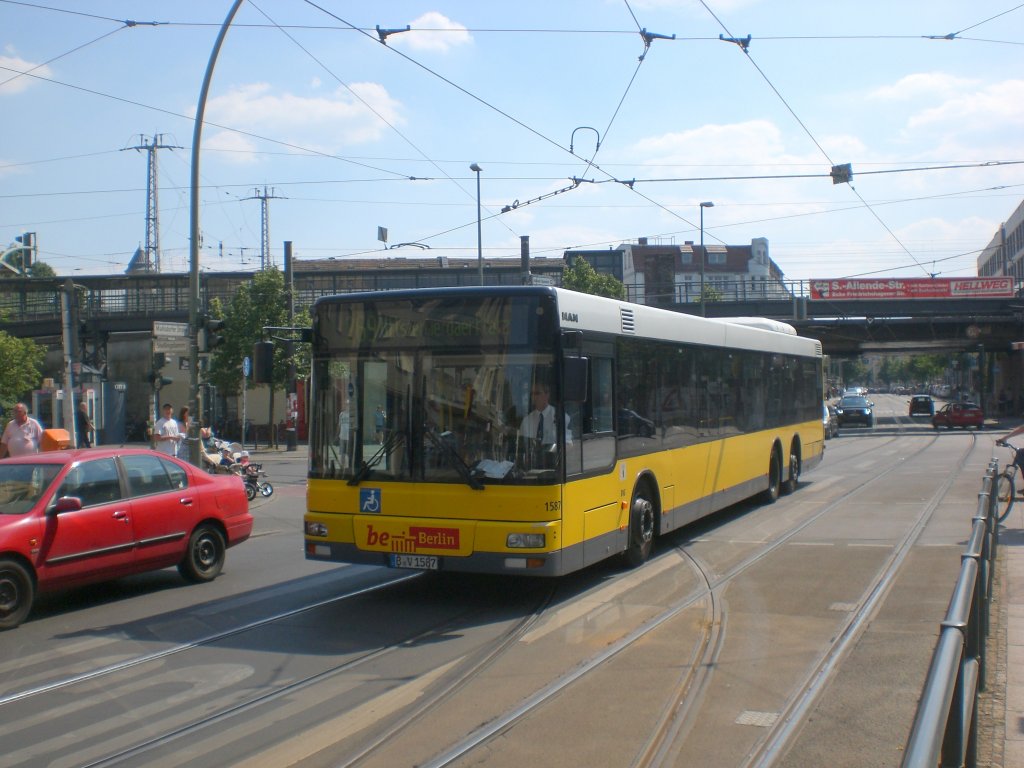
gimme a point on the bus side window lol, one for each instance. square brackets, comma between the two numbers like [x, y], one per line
[598, 439]
[600, 397]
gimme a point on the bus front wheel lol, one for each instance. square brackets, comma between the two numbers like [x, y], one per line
[641, 528]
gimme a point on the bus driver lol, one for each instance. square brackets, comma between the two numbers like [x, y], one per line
[539, 423]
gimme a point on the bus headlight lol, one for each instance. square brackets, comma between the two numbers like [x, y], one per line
[525, 541]
[316, 529]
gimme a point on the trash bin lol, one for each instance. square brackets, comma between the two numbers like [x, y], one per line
[291, 439]
[55, 440]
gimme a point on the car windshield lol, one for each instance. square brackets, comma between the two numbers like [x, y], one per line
[853, 402]
[22, 485]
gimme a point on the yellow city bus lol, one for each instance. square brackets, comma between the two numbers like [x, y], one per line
[427, 450]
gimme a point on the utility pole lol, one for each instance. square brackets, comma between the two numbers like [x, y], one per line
[264, 197]
[152, 208]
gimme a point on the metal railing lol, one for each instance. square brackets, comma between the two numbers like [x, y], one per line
[945, 726]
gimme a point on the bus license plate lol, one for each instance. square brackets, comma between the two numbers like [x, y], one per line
[420, 562]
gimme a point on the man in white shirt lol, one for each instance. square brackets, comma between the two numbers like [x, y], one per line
[22, 435]
[165, 432]
[538, 426]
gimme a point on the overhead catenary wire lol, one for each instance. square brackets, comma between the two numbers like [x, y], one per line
[584, 31]
[745, 47]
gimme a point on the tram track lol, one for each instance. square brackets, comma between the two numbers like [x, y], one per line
[800, 704]
[662, 743]
[142, 751]
[677, 713]
[206, 640]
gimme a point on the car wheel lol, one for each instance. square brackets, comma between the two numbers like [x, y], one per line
[204, 557]
[17, 591]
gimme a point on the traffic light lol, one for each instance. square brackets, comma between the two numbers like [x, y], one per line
[159, 360]
[28, 247]
[157, 381]
[263, 362]
[210, 334]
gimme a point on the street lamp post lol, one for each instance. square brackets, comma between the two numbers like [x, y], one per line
[703, 256]
[479, 241]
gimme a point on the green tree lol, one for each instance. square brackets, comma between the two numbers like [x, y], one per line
[41, 269]
[855, 371]
[927, 368]
[710, 293]
[21, 361]
[582, 277]
[37, 268]
[257, 304]
[890, 370]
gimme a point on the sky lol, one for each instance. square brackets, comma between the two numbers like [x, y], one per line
[594, 122]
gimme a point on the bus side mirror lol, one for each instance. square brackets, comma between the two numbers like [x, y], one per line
[574, 379]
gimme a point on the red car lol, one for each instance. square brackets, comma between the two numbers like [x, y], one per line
[959, 415]
[69, 518]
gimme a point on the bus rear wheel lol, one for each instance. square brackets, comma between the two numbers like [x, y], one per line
[794, 474]
[771, 493]
[641, 529]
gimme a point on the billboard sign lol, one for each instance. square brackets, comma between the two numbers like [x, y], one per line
[914, 288]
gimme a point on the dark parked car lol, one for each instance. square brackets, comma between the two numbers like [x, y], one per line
[854, 409]
[922, 404]
[829, 421]
[959, 415]
[69, 518]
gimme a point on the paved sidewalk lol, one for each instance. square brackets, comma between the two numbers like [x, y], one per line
[1011, 540]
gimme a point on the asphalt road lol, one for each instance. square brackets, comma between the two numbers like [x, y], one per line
[794, 634]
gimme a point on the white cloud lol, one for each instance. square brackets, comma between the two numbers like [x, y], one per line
[324, 122]
[922, 84]
[971, 229]
[757, 141]
[432, 32]
[996, 106]
[12, 82]
[232, 147]
[698, 9]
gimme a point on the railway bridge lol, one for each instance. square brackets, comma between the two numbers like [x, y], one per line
[112, 317]
[31, 307]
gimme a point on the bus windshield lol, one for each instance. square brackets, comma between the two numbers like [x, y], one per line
[436, 390]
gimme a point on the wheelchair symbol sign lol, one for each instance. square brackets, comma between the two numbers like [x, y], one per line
[369, 500]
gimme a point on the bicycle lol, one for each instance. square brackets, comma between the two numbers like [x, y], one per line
[1006, 483]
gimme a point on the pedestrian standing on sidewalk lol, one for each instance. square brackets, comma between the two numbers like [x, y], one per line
[83, 425]
[22, 435]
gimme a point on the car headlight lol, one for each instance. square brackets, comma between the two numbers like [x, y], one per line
[525, 541]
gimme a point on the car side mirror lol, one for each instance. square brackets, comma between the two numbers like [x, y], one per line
[67, 504]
